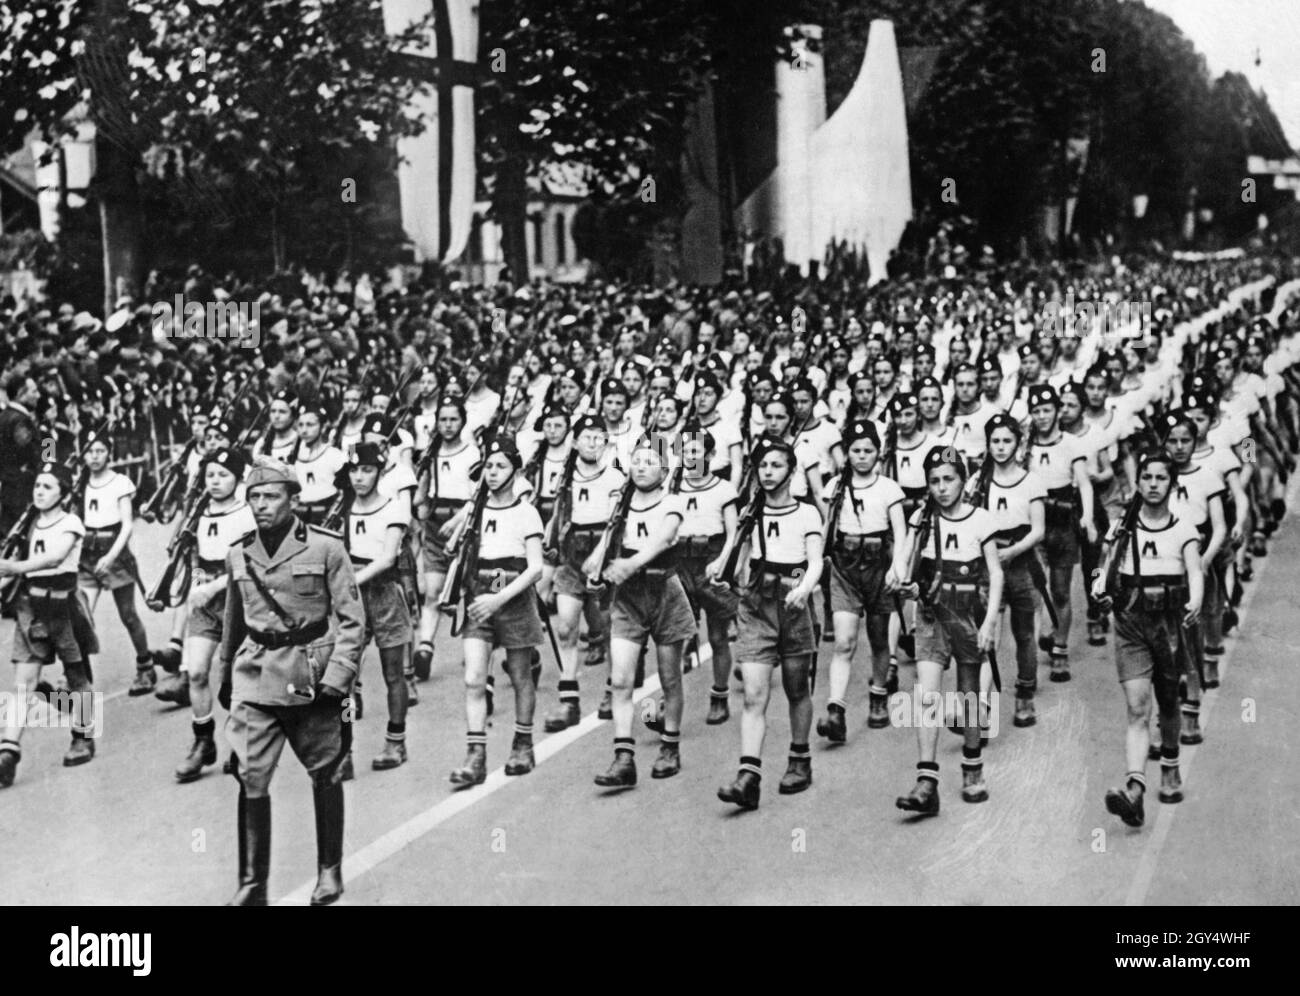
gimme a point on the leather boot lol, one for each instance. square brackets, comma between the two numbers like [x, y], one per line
[877, 710]
[392, 756]
[719, 709]
[1211, 672]
[595, 654]
[1171, 784]
[1191, 734]
[80, 751]
[202, 753]
[891, 677]
[923, 799]
[973, 788]
[669, 761]
[521, 760]
[329, 844]
[1096, 638]
[169, 658]
[621, 774]
[1258, 546]
[423, 663]
[174, 688]
[10, 755]
[1024, 715]
[606, 710]
[743, 792]
[1060, 664]
[1129, 808]
[833, 727]
[145, 680]
[254, 851]
[1046, 643]
[474, 770]
[797, 777]
[564, 715]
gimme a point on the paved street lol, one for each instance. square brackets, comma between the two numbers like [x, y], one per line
[121, 831]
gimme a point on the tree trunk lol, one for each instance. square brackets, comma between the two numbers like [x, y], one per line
[510, 206]
[120, 221]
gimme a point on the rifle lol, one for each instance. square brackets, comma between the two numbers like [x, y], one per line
[162, 506]
[336, 430]
[927, 586]
[464, 547]
[748, 519]
[1119, 546]
[170, 592]
[556, 528]
[12, 549]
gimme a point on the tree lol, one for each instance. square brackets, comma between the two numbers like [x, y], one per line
[246, 113]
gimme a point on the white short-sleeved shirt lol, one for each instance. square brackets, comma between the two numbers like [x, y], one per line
[594, 496]
[784, 532]
[1009, 504]
[726, 434]
[316, 475]
[911, 462]
[505, 531]
[367, 531]
[101, 501]
[1054, 462]
[814, 446]
[284, 450]
[969, 436]
[218, 531]
[396, 479]
[449, 473]
[702, 507]
[643, 523]
[41, 537]
[1160, 550]
[960, 540]
[865, 509]
[1192, 493]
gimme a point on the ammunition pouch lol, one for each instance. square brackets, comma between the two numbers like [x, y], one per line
[578, 542]
[98, 542]
[960, 598]
[851, 553]
[1153, 596]
[701, 548]
[493, 576]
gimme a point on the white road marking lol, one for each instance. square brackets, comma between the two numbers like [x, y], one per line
[1146, 870]
[380, 850]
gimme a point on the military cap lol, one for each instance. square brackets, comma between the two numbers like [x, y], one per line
[861, 429]
[231, 460]
[368, 455]
[270, 471]
[507, 449]
[1043, 394]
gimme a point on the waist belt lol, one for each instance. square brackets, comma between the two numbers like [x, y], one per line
[105, 532]
[701, 547]
[516, 564]
[299, 637]
[50, 585]
[1160, 593]
[1060, 501]
[790, 571]
[212, 566]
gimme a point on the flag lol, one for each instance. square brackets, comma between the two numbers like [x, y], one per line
[436, 174]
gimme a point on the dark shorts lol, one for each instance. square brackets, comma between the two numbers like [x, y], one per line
[208, 619]
[719, 601]
[319, 735]
[571, 581]
[388, 617]
[516, 625]
[769, 632]
[1018, 591]
[1061, 545]
[40, 640]
[654, 608]
[1147, 646]
[121, 575]
[860, 591]
[434, 551]
[945, 632]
